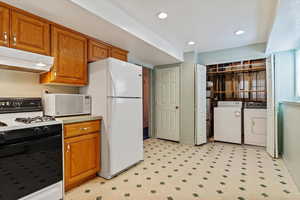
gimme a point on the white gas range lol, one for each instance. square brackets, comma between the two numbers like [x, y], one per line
[31, 158]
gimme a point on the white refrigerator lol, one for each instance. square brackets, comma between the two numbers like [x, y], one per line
[116, 90]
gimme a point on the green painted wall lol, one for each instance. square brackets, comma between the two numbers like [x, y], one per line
[284, 86]
[291, 147]
[187, 77]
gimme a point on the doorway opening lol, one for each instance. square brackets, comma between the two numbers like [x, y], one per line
[146, 102]
[236, 97]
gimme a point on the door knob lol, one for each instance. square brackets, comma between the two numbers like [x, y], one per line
[177, 107]
[237, 114]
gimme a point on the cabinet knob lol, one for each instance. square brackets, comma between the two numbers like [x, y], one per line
[14, 40]
[68, 147]
[5, 36]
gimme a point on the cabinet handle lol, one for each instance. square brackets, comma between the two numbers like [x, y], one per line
[84, 129]
[5, 37]
[14, 40]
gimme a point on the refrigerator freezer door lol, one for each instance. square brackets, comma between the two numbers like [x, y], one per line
[125, 133]
[125, 79]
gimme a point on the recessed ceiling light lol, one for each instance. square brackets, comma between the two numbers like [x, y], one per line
[191, 43]
[239, 32]
[162, 15]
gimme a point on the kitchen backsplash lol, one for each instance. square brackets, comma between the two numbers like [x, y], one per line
[26, 84]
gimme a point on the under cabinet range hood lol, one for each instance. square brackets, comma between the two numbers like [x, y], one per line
[14, 59]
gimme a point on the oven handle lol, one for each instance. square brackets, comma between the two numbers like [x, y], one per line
[15, 149]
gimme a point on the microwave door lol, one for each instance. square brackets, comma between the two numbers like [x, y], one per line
[68, 105]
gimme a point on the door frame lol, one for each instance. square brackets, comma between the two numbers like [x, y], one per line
[272, 111]
[153, 130]
[200, 138]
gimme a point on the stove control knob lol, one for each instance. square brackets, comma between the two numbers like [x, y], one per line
[46, 130]
[38, 131]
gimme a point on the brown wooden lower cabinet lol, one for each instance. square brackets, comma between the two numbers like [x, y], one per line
[82, 158]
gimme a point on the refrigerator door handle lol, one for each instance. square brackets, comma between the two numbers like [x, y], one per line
[120, 97]
[113, 87]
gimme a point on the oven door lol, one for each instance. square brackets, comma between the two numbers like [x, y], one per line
[30, 166]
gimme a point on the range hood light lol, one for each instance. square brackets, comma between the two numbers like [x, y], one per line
[16, 59]
[40, 64]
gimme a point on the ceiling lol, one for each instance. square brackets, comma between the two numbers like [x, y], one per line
[134, 26]
[210, 23]
[285, 32]
[149, 50]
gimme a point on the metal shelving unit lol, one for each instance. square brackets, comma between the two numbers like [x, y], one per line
[238, 81]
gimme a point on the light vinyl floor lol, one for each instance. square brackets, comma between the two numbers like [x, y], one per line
[215, 171]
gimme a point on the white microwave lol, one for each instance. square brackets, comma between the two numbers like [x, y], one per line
[58, 105]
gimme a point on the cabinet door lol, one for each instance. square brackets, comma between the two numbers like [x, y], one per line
[70, 52]
[82, 158]
[97, 51]
[29, 33]
[4, 26]
[119, 54]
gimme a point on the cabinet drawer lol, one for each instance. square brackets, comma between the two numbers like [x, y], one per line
[71, 130]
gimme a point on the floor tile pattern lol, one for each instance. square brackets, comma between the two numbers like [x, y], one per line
[215, 171]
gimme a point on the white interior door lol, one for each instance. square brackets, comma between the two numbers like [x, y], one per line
[271, 112]
[167, 103]
[200, 108]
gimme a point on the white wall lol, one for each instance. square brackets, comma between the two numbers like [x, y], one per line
[249, 52]
[26, 84]
[187, 99]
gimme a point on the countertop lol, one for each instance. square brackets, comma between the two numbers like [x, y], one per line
[77, 119]
[291, 102]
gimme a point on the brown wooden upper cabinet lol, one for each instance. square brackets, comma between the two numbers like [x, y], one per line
[70, 51]
[29, 33]
[119, 54]
[4, 26]
[98, 51]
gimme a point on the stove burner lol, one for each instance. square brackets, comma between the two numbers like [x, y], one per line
[2, 124]
[30, 120]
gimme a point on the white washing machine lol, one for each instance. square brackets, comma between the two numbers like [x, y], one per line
[228, 121]
[255, 124]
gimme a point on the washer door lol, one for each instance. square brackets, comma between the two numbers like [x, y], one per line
[228, 124]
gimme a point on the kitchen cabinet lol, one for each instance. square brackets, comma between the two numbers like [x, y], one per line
[29, 33]
[98, 50]
[70, 51]
[119, 54]
[4, 26]
[82, 152]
